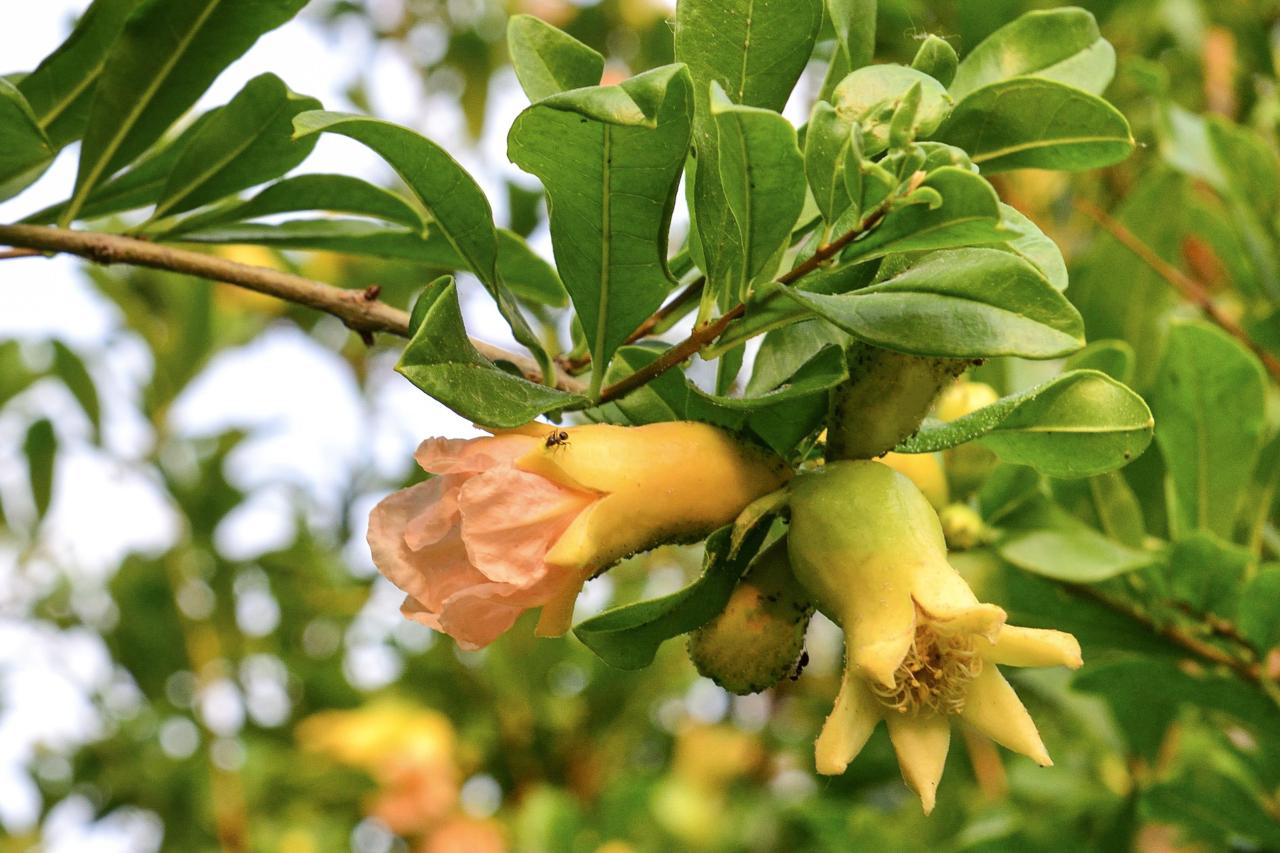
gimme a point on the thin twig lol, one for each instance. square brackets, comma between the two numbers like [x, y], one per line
[1190, 289]
[360, 310]
[19, 253]
[1247, 670]
[708, 332]
[652, 322]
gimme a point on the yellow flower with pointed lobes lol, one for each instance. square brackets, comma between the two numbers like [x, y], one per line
[919, 646]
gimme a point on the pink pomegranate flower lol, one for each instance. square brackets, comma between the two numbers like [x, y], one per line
[514, 521]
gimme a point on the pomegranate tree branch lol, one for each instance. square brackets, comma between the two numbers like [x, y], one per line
[360, 310]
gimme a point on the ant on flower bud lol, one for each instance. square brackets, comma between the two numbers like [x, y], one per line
[558, 438]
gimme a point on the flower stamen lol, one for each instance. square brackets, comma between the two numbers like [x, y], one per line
[935, 674]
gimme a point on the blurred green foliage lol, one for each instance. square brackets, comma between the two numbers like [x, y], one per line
[1156, 749]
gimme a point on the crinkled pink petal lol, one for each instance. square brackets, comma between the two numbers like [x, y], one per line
[510, 519]
[478, 615]
[437, 516]
[472, 455]
[429, 574]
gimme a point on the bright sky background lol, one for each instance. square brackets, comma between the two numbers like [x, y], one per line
[308, 435]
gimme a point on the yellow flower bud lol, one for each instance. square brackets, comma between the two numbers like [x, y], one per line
[759, 637]
[925, 470]
[919, 646]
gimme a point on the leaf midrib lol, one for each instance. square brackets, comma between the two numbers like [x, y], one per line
[204, 177]
[131, 120]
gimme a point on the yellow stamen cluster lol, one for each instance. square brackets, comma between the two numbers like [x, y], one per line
[935, 674]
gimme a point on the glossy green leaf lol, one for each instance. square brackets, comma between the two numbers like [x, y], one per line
[1080, 555]
[60, 89]
[871, 96]
[854, 23]
[523, 271]
[1056, 44]
[937, 58]
[779, 416]
[41, 448]
[784, 351]
[1075, 425]
[1032, 123]
[762, 177]
[164, 59]
[610, 158]
[331, 193]
[1209, 401]
[441, 361]
[548, 61]
[967, 303]
[969, 215]
[1032, 244]
[754, 50]
[25, 150]
[827, 154]
[628, 637]
[458, 208]
[136, 187]
[249, 142]
[1112, 357]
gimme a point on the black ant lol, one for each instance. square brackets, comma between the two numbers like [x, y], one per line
[800, 665]
[557, 438]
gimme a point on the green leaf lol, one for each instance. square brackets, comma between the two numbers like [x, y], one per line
[41, 446]
[458, 208]
[441, 361]
[248, 142]
[1063, 45]
[966, 303]
[969, 215]
[784, 351]
[937, 58]
[522, 270]
[1079, 555]
[163, 61]
[854, 23]
[780, 417]
[1143, 691]
[1212, 806]
[827, 153]
[60, 89]
[25, 151]
[138, 186]
[71, 370]
[610, 158]
[1032, 244]
[871, 96]
[762, 178]
[1209, 401]
[754, 50]
[332, 193]
[1031, 123]
[548, 61]
[628, 637]
[1075, 425]
[1113, 357]
[1206, 573]
[1258, 616]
